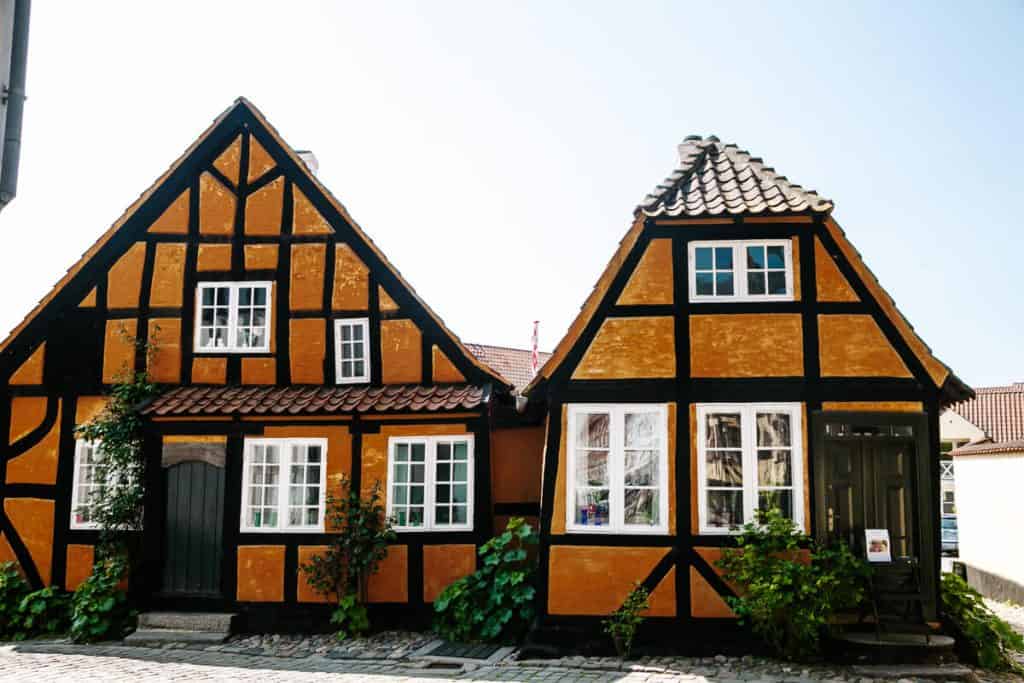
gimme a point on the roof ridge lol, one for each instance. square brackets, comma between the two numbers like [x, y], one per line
[501, 346]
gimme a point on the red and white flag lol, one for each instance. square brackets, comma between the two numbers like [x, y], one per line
[534, 354]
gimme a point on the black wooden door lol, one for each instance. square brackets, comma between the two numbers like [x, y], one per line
[869, 485]
[194, 494]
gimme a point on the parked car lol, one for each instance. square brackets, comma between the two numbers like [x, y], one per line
[950, 536]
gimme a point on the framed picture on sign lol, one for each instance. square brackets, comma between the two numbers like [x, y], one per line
[877, 543]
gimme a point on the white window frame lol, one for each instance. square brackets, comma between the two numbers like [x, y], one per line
[739, 270]
[748, 435]
[285, 447]
[364, 323]
[616, 468]
[80, 446]
[232, 346]
[430, 480]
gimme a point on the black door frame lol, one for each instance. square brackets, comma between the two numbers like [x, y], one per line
[924, 515]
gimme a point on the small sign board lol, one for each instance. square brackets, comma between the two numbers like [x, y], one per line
[877, 544]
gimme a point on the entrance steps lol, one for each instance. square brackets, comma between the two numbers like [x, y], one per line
[157, 628]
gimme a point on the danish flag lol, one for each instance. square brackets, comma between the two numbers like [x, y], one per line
[534, 355]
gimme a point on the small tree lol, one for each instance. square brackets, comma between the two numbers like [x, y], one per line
[623, 623]
[359, 543]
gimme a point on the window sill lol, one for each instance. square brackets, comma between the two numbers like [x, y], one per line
[740, 299]
[286, 530]
[430, 529]
[225, 350]
[624, 531]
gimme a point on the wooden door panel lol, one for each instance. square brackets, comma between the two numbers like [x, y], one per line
[195, 519]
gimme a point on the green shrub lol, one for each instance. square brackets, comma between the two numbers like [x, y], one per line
[13, 589]
[788, 602]
[350, 617]
[989, 640]
[43, 612]
[622, 624]
[99, 608]
[494, 603]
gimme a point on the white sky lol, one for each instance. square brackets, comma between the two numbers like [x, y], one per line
[496, 151]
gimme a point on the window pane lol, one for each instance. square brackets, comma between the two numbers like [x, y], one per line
[780, 500]
[207, 297]
[705, 284]
[591, 468]
[461, 450]
[459, 493]
[702, 257]
[755, 257]
[723, 284]
[723, 258]
[459, 514]
[777, 282]
[245, 296]
[725, 508]
[723, 430]
[459, 472]
[401, 452]
[776, 257]
[592, 430]
[416, 516]
[418, 452]
[444, 451]
[592, 507]
[444, 471]
[401, 474]
[416, 495]
[641, 468]
[755, 283]
[223, 296]
[640, 429]
[357, 332]
[401, 494]
[443, 493]
[774, 468]
[724, 468]
[261, 296]
[773, 429]
[641, 507]
[442, 514]
[346, 333]
[416, 474]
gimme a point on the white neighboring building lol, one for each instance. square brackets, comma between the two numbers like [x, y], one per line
[954, 431]
[989, 497]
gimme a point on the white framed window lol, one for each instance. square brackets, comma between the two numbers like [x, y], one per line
[352, 350]
[430, 483]
[617, 468]
[749, 458]
[741, 270]
[283, 484]
[85, 485]
[232, 317]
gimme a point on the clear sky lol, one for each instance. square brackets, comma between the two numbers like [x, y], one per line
[496, 151]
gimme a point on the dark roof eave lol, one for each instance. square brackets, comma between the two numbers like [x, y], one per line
[954, 390]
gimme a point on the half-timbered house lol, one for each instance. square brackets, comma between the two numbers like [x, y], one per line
[736, 354]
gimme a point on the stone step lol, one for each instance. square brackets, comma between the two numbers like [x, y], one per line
[213, 622]
[160, 636]
[947, 672]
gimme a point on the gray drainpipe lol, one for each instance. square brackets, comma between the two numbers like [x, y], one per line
[14, 98]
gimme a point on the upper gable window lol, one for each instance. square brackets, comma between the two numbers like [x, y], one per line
[232, 317]
[351, 345]
[741, 270]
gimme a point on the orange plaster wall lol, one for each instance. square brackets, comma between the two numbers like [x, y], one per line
[88, 407]
[32, 518]
[630, 348]
[37, 465]
[401, 352]
[558, 504]
[351, 280]
[124, 281]
[261, 573]
[216, 207]
[259, 371]
[259, 160]
[651, 281]
[31, 371]
[516, 459]
[304, 591]
[662, 600]
[230, 160]
[307, 278]
[7, 552]
[384, 300]
[705, 602]
[832, 286]
[165, 360]
[260, 256]
[79, 565]
[209, 370]
[90, 299]
[307, 345]
[875, 406]
[391, 581]
[375, 449]
[443, 369]
[595, 580]
[854, 346]
[306, 220]
[746, 345]
[119, 349]
[264, 209]
[213, 257]
[168, 276]
[444, 564]
[174, 219]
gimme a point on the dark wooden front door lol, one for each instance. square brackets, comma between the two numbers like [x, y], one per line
[869, 484]
[194, 495]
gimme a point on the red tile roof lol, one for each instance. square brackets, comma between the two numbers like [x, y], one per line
[989, 448]
[998, 411]
[715, 178]
[316, 400]
[513, 364]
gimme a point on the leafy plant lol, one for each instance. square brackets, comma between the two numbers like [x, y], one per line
[623, 623]
[495, 603]
[43, 612]
[360, 536]
[990, 641]
[13, 589]
[789, 600]
[99, 608]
